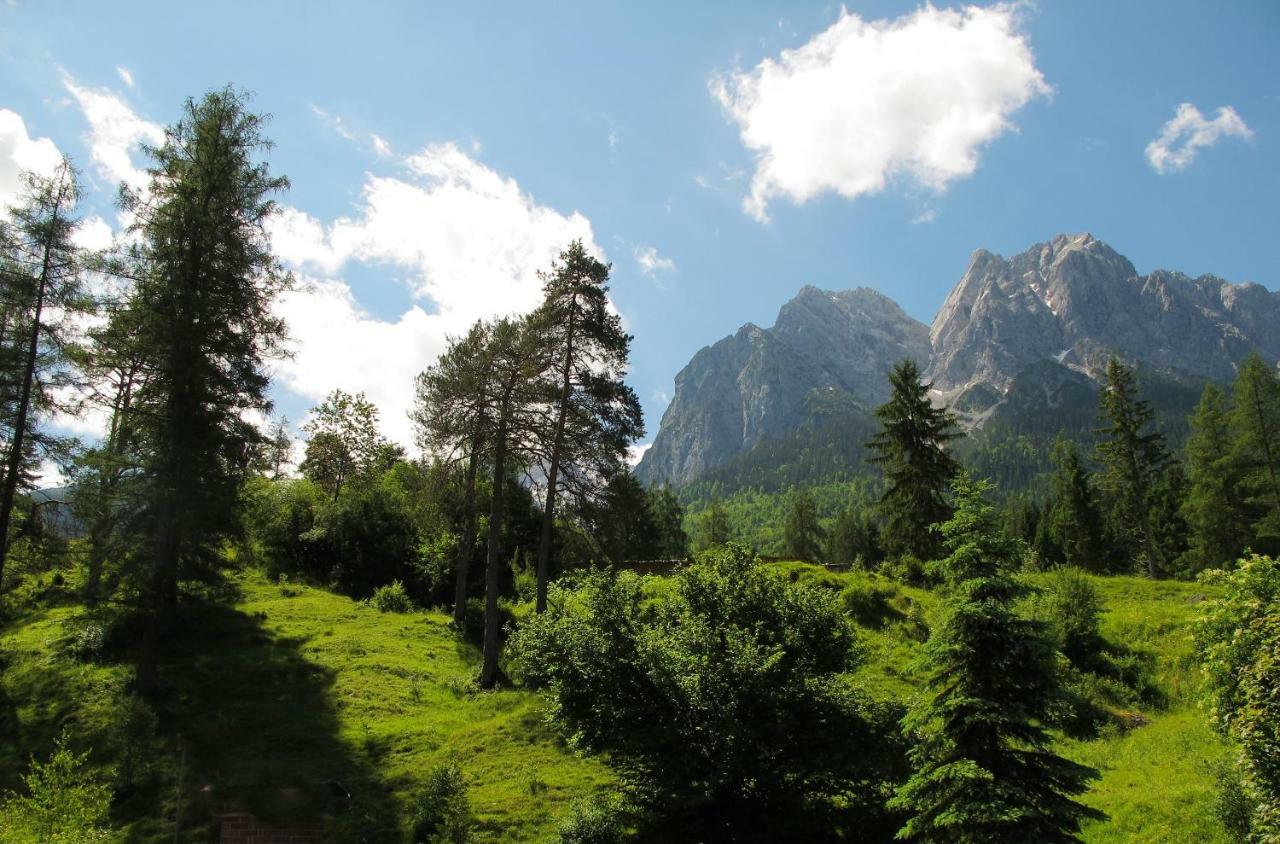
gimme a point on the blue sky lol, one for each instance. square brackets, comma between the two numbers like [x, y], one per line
[439, 153]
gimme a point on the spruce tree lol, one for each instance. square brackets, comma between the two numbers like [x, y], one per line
[983, 765]
[1255, 425]
[854, 538]
[205, 327]
[918, 467]
[595, 416]
[668, 521]
[801, 534]
[1074, 522]
[1133, 456]
[40, 268]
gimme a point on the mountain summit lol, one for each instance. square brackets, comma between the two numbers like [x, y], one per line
[1054, 313]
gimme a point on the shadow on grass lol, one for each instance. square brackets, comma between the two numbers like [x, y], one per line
[259, 728]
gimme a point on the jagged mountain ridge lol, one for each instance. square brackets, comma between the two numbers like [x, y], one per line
[1067, 304]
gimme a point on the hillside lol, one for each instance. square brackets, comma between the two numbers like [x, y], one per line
[289, 698]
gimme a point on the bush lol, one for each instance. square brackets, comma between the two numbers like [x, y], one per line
[66, 803]
[1071, 606]
[89, 642]
[593, 820]
[866, 603]
[441, 813]
[724, 697]
[391, 598]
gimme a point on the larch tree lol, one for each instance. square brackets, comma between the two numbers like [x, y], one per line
[982, 761]
[1255, 424]
[802, 536]
[1133, 456]
[1074, 523]
[43, 292]
[912, 450]
[1212, 506]
[205, 327]
[595, 415]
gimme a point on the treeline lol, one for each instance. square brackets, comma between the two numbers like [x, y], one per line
[1128, 501]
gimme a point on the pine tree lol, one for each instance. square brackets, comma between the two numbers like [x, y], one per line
[918, 468]
[1074, 522]
[596, 415]
[490, 391]
[801, 534]
[1255, 425]
[984, 768]
[205, 327]
[43, 293]
[1132, 456]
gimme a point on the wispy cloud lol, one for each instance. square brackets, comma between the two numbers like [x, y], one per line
[116, 132]
[126, 75]
[651, 263]
[1188, 132]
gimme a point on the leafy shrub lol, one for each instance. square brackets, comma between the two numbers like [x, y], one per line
[391, 598]
[906, 568]
[89, 642]
[441, 812]
[65, 803]
[726, 696]
[866, 603]
[593, 820]
[1238, 640]
[1071, 606]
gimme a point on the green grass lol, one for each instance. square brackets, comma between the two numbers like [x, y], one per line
[288, 698]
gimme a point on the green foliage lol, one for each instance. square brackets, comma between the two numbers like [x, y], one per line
[391, 598]
[594, 820]
[441, 812]
[1238, 640]
[802, 536]
[1255, 424]
[667, 515]
[344, 444]
[65, 803]
[983, 767]
[1212, 507]
[725, 694]
[1133, 457]
[1075, 525]
[1071, 606]
[854, 539]
[912, 450]
[714, 528]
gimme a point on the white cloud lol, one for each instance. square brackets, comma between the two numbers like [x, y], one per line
[651, 263]
[126, 75]
[19, 153]
[472, 243]
[115, 131]
[636, 451]
[928, 215]
[93, 233]
[1188, 132]
[380, 145]
[865, 101]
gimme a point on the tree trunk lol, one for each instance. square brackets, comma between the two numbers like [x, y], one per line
[466, 547]
[493, 565]
[24, 407]
[557, 446]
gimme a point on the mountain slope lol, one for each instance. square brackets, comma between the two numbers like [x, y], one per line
[762, 383]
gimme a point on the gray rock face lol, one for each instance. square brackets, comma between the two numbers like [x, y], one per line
[1077, 301]
[758, 382]
[1056, 313]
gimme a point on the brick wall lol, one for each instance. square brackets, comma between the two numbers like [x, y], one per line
[243, 828]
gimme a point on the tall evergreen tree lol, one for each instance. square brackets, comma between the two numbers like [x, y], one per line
[983, 765]
[1133, 456]
[205, 327]
[802, 536]
[1074, 522]
[918, 468]
[714, 529]
[1255, 425]
[41, 271]
[854, 539]
[596, 416]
